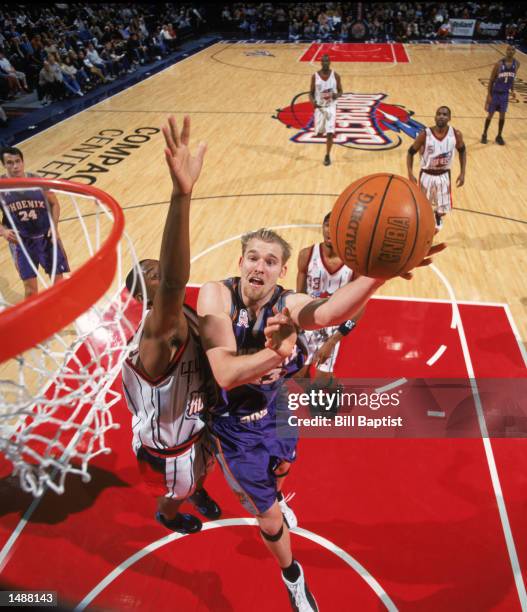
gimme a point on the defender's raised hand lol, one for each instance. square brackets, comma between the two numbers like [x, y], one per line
[184, 168]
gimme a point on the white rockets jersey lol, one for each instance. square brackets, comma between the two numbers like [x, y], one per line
[320, 282]
[438, 154]
[325, 89]
[159, 407]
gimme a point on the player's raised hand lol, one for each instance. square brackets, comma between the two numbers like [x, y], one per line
[280, 333]
[436, 248]
[184, 168]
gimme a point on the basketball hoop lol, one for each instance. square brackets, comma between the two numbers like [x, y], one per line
[62, 349]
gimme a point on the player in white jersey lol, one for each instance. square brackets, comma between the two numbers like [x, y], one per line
[165, 380]
[320, 273]
[326, 87]
[437, 146]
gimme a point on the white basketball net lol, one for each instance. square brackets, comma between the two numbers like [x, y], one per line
[56, 399]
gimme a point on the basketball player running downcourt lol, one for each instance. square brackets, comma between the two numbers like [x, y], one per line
[251, 350]
[437, 146]
[169, 367]
[501, 84]
[320, 273]
[325, 88]
[33, 211]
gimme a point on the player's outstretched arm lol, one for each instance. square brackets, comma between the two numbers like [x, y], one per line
[345, 303]
[414, 148]
[166, 326]
[215, 326]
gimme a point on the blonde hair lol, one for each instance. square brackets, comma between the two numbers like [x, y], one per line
[267, 235]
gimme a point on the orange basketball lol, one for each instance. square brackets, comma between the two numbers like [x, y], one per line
[382, 225]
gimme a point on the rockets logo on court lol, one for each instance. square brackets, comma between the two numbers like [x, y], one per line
[364, 121]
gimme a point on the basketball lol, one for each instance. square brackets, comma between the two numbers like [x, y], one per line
[382, 225]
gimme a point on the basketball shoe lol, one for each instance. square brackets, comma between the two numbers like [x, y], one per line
[327, 160]
[499, 139]
[484, 139]
[288, 514]
[299, 594]
[205, 504]
[183, 523]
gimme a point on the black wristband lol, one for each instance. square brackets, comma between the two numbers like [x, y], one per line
[345, 328]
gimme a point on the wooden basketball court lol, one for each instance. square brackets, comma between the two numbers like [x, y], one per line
[425, 517]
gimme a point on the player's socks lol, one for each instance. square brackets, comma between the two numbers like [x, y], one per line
[300, 596]
[327, 160]
[484, 139]
[439, 221]
[183, 523]
[292, 573]
[205, 504]
[289, 516]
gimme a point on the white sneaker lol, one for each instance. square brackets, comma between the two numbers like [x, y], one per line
[289, 515]
[299, 594]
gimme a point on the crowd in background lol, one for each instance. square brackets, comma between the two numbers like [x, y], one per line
[63, 50]
[382, 21]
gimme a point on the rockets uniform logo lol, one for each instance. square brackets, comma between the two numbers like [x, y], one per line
[243, 319]
[364, 121]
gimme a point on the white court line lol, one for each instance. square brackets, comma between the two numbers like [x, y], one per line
[436, 355]
[320, 45]
[305, 52]
[392, 385]
[238, 236]
[237, 522]
[118, 93]
[516, 333]
[455, 310]
[436, 413]
[394, 63]
[496, 485]
[434, 300]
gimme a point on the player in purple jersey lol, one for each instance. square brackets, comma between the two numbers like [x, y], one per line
[32, 212]
[251, 350]
[501, 84]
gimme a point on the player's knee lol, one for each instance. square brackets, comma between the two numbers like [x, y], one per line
[282, 470]
[274, 535]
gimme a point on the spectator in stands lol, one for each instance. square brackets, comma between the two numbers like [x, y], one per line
[69, 74]
[91, 68]
[50, 87]
[19, 82]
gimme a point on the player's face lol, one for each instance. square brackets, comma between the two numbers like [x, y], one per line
[325, 233]
[14, 165]
[152, 275]
[442, 117]
[325, 63]
[260, 268]
[509, 52]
